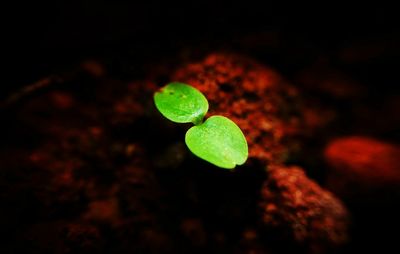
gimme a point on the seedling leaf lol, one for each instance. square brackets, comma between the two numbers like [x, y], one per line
[181, 103]
[219, 141]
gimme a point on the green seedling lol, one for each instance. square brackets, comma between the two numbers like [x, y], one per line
[217, 140]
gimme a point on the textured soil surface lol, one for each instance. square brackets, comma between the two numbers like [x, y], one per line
[320, 220]
[89, 166]
[254, 96]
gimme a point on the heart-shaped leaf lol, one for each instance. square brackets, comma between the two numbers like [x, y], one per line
[219, 141]
[181, 103]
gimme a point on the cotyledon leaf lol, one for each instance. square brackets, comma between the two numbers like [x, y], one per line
[181, 103]
[219, 141]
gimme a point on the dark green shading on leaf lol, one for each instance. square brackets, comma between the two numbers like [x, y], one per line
[219, 141]
[181, 103]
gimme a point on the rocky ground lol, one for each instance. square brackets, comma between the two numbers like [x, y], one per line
[89, 166]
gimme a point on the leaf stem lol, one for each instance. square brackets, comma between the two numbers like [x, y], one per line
[198, 120]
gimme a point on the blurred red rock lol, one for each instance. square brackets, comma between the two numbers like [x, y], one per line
[62, 100]
[103, 210]
[362, 164]
[314, 218]
[94, 68]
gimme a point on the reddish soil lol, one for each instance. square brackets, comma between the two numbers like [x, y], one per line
[89, 166]
[298, 206]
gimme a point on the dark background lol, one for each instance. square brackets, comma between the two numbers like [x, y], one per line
[42, 38]
[46, 37]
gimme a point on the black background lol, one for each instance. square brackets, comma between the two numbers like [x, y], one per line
[46, 37]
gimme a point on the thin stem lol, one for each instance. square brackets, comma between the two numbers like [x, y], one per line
[198, 120]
